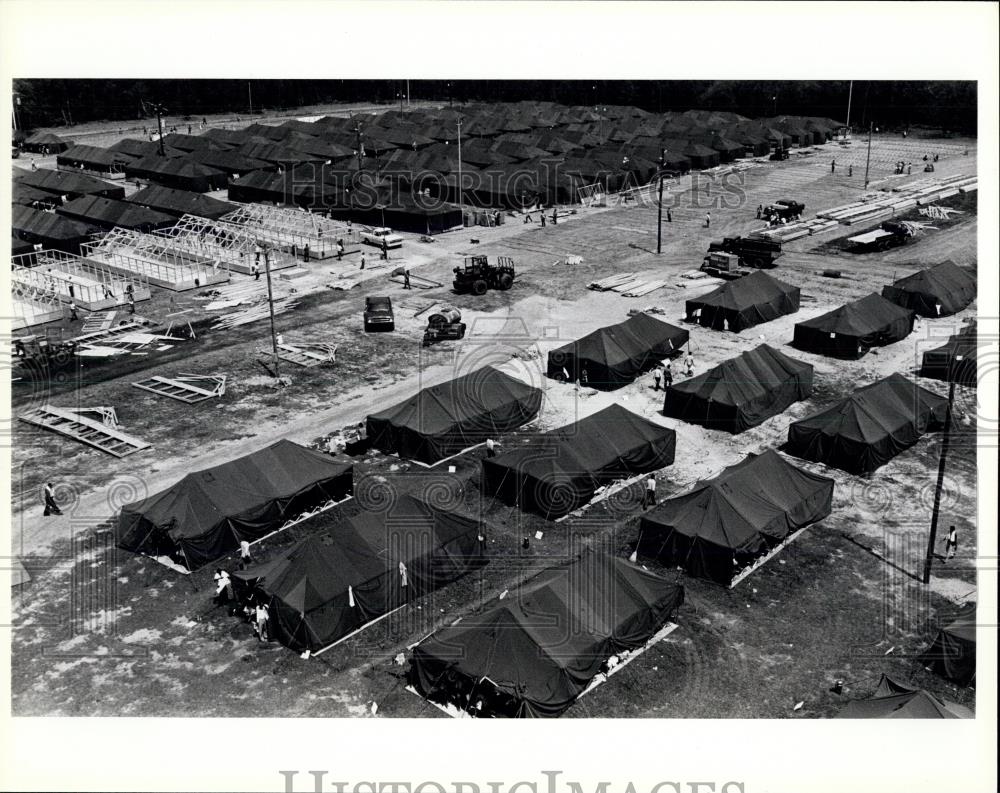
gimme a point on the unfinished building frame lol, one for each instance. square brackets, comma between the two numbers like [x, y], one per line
[91, 285]
[236, 246]
[157, 260]
[290, 229]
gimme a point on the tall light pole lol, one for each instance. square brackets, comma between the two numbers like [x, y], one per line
[407, 93]
[160, 109]
[868, 160]
[460, 208]
[270, 302]
[659, 210]
[945, 443]
[850, 93]
[250, 97]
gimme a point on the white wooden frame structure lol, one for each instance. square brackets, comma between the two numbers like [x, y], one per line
[34, 305]
[283, 228]
[237, 246]
[189, 388]
[157, 260]
[103, 435]
[75, 279]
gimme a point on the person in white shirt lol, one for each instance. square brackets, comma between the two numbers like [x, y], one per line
[49, 497]
[491, 448]
[262, 623]
[650, 498]
[245, 557]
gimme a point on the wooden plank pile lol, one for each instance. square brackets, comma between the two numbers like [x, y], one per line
[612, 281]
[254, 313]
[307, 354]
[98, 321]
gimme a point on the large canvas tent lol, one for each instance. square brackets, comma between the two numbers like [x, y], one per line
[46, 141]
[952, 654]
[538, 649]
[853, 329]
[726, 523]
[893, 700]
[935, 292]
[743, 303]
[561, 470]
[956, 359]
[613, 356]
[181, 202]
[206, 514]
[442, 420]
[870, 427]
[355, 570]
[70, 183]
[50, 230]
[108, 213]
[740, 392]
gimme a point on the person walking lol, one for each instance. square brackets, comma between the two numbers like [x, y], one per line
[245, 557]
[668, 376]
[649, 499]
[255, 269]
[850, 170]
[689, 364]
[760, 210]
[670, 218]
[131, 303]
[340, 250]
[951, 543]
[261, 623]
[708, 220]
[72, 312]
[833, 167]
[406, 279]
[49, 498]
[362, 261]
[656, 379]
[909, 168]
[542, 216]
[491, 447]
[555, 216]
[385, 249]
[584, 377]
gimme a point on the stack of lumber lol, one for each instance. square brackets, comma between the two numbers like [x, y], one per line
[254, 313]
[612, 281]
[642, 288]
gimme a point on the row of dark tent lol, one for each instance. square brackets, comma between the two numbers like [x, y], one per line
[351, 571]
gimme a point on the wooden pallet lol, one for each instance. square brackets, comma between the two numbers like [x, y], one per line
[189, 388]
[98, 321]
[104, 436]
[307, 354]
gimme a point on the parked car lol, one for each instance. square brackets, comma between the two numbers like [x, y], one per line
[378, 314]
[378, 236]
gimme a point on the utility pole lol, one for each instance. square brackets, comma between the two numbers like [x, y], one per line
[17, 101]
[407, 93]
[945, 443]
[270, 302]
[250, 97]
[871, 126]
[850, 93]
[357, 130]
[659, 211]
[160, 109]
[460, 208]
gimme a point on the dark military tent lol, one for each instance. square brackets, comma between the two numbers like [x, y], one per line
[70, 183]
[854, 328]
[183, 174]
[870, 427]
[206, 514]
[743, 303]
[92, 158]
[561, 470]
[444, 419]
[613, 356]
[181, 202]
[19, 247]
[354, 570]
[953, 652]
[935, 292]
[107, 213]
[50, 230]
[726, 523]
[893, 700]
[956, 359]
[538, 649]
[26, 195]
[51, 143]
[740, 392]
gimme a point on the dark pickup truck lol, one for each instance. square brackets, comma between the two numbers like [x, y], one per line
[752, 252]
[378, 314]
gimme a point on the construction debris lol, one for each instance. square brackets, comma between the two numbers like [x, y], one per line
[98, 321]
[189, 388]
[307, 354]
[612, 281]
[416, 281]
[103, 435]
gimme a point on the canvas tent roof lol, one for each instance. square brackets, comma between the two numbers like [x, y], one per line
[109, 212]
[740, 392]
[561, 470]
[228, 161]
[49, 229]
[957, 359]
[352, 571]
[70, 183]
[737, 516]
[743, 303]
[615, 355]
[870, 427]
[893, 700]
[935, 292]
[181, 202]
[17, 247]
[27, 195]
[444, 419]
[205, 515]
[536, 650]
[854, 328]
[183, 174]
[93, 157]
[952, 654]
[49, 139]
